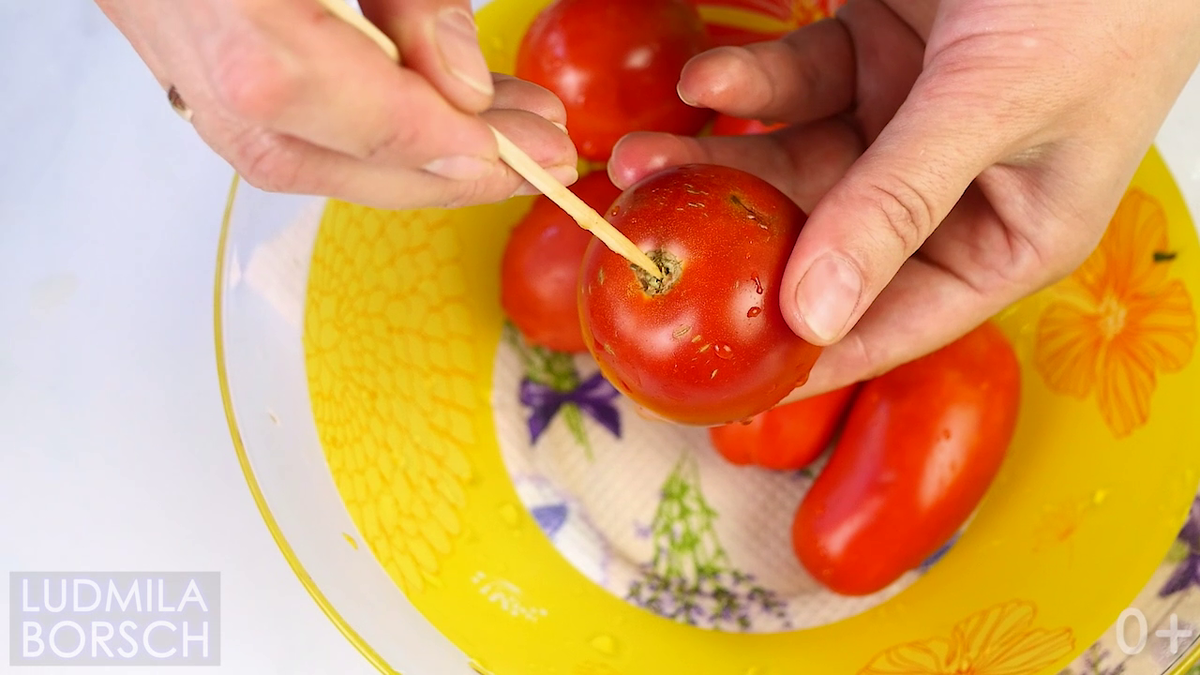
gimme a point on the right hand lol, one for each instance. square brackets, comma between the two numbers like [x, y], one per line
[955, 156]
[298, 101]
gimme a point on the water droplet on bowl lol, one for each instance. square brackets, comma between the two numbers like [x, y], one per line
[605, 644]
[510, 515]
[1099, 497]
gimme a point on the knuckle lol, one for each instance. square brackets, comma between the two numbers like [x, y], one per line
[397, 138]
[869, 359]
[467, 193]
[249, 81]
[268, 163]
[905, 211]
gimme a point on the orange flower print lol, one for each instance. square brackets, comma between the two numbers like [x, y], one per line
[996, 641]
[1119, 319]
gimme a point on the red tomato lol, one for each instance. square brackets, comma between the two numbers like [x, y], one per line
[726, 125]
[787, 438]
[707, 344]
[919, 450]
[615, 64]
[539, 273]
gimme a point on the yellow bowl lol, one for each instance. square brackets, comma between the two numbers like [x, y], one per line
[372, 390]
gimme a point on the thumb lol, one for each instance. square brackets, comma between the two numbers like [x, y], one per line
[888, 203]
[439, 40]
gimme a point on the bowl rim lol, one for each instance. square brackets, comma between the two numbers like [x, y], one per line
[264, 510]
[1183, 665]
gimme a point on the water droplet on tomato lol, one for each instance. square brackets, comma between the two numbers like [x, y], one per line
[723, 350]
[616, 209]
[758, 287]
[753, 312]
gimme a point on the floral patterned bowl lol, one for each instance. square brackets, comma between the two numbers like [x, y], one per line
[458, 501]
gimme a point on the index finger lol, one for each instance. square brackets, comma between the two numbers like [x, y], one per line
[296, 69]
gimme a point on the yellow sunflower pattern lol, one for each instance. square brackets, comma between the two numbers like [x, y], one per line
[1119, 320]
[1001, 640]
[388, 346]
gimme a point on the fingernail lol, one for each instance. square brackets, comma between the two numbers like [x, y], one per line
[682, 97]
[459, 167]
[828, 295]
[458, 42]
[562, 128]
[565, 174]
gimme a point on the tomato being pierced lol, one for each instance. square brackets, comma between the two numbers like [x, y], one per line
[919, 450]
[539, 273]
[707, 344]
[615, 65]
[787, 438]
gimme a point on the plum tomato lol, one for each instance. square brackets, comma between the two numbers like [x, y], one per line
[919, 450]
[786, 438]
[726, 125]
[539, 272]
[706, 343]
[615, 65]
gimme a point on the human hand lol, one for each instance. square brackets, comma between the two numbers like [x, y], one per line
[954, 156]
[299, 101]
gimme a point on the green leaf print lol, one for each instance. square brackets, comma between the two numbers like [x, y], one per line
[690, 578]
[552, 387]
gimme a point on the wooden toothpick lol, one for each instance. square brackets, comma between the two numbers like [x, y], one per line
[523, 164]
[575, 207]
[344, 12]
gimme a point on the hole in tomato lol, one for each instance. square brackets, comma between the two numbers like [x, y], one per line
[668, 264]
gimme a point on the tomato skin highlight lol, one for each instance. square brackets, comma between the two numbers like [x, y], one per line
[786, 438]
[615, 65]
[713, 347]
[726, 125]
[539, 272]
[919, 450]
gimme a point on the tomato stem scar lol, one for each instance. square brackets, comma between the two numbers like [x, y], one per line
[668, 264]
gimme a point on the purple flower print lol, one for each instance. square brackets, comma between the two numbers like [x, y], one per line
[550, 518]
[594, 396]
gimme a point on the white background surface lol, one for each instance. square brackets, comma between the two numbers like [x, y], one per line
[114, 450]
